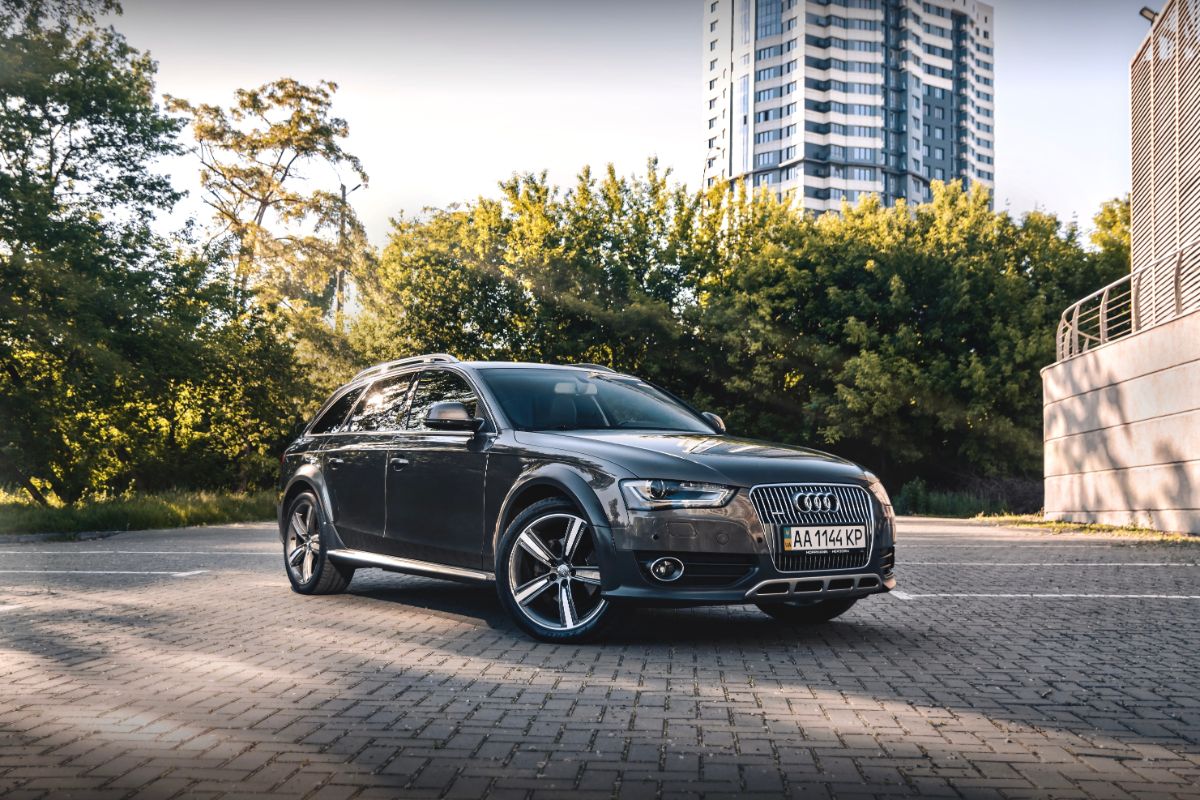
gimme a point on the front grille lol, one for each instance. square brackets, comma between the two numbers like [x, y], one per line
[775, 510]
[703, 569]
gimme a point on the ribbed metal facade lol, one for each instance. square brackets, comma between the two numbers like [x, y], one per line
[1165, 136]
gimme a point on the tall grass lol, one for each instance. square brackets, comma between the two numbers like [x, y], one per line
[134, 512]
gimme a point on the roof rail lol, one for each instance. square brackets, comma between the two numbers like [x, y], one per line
[430, 358]
[599, 367]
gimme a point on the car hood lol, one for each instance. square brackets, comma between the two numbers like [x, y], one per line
[721, 459]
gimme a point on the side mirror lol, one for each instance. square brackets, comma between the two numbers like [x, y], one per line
[451, 416]
[714, 420]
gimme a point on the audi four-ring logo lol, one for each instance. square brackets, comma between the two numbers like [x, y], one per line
[815, 501]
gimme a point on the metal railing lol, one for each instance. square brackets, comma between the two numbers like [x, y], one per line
[1147, 296]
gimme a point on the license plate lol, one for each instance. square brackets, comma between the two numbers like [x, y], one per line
[811, 538]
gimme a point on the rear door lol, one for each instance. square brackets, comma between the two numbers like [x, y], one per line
[356, 461]
[435, 483]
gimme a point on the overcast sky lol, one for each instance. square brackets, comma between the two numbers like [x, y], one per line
[447, 97]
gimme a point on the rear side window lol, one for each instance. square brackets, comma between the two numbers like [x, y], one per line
[383, 406]
[440, 387]
[331, 420]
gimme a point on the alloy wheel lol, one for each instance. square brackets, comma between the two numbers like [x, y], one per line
[553, 575]
[303, 541]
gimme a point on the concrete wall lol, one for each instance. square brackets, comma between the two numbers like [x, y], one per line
[1122, 431]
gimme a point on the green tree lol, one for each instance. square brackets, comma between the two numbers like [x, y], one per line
[593, 274]
[293, 242]
[125, 359]
[79, 129]
[1111, 236]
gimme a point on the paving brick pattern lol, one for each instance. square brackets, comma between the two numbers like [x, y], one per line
[226, 684]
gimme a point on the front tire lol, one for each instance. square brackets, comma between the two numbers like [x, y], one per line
[305, 556]
[548, 574]
[800, 613]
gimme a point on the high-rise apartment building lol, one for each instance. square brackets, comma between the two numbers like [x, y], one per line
[832, 99]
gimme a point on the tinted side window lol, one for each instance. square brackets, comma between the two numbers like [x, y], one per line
[439, 387]
[382, 407]
[331, 420]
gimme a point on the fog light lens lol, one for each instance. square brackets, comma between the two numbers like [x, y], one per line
[666, 569]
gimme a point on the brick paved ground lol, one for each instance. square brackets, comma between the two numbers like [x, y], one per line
[226, 684]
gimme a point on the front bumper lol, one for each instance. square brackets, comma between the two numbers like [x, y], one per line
[728, 560]
[627, 577]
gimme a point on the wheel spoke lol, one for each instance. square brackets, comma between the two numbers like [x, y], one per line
[588, 575]
[566, 605]
[574, 534]
[308, 523]
[526, 593]
[295, 556]
[533, 545]
[307, 570]
[299, 527]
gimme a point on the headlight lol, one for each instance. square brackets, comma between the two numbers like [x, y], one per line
[647, 495]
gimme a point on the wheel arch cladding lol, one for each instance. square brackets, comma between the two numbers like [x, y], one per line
[551, 480]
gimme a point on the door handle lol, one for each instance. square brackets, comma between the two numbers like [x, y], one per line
[334, 460]
[397, 464]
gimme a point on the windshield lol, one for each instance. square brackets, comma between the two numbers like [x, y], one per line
[570, 399]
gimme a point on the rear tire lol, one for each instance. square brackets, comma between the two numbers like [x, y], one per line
[305, 556]
[800, 613]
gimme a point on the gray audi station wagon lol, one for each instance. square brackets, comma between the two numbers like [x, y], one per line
[579, 492]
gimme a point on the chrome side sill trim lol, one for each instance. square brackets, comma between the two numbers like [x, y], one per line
[361, 558]
[819, 585]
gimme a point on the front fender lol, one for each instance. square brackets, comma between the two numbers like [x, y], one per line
[595, 492]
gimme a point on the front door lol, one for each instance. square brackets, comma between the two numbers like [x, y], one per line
[435, 480]
[356, 462]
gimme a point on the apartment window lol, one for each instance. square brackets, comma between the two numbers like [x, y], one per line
[775, 50]
[939, 174]
[712, 103]
[711, 162]
[712, 84]
[769, 15]
[939, 132]
[712, 26]
[939, 153]
[712, 123]
[768, 136]
[939, 112]
[768, 159]
[712, 45]
[777, 71]
[713, 64]
[712, 9]
[774, 92]
[712, 143]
